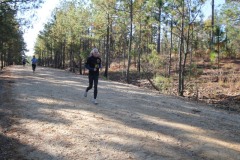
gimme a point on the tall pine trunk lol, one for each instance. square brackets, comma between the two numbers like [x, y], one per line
[171, 48]
[181, 51]
[159, 30]
[140, 48]
[130, 41]
[107, 48]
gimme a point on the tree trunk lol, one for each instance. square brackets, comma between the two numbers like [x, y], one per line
[171, 47]
[140, 48]
[212, 31]
[107, 47]
[218, 50]
[124, 55]
[63, 53]
[159, 30]
[191, 52]
[181, 50]
[187, 47]
[130, 40]
[79, 58]
[1, 54]
[4, 57]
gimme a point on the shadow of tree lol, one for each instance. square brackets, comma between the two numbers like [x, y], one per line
[10, 147]
[143, 125]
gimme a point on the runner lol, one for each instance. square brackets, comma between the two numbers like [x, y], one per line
[34, 63]
[93, 64]
[24, 61]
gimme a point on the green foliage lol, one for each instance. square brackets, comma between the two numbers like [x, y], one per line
[85, 54]
[154, 59]
[11, 37]
[163, 83]
[230, 19]
[134, 53]
[67, 34]
[213, 56]
[77, 27]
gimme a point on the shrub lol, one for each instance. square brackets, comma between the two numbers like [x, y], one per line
[213, 56]
[163, 83]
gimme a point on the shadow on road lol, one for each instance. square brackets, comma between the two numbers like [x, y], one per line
[135, 121]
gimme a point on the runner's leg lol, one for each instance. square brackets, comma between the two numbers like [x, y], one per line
[90, 78]
[95, 86]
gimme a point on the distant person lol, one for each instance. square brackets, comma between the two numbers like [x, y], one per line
[93, 64]
[34, 63]
[24, 61]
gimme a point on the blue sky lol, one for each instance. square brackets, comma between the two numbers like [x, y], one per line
[44, 14]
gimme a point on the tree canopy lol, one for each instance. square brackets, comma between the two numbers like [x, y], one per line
[12, 45]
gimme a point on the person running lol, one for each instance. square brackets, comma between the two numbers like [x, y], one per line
[93, 64]
[34, 63]
[24, 61]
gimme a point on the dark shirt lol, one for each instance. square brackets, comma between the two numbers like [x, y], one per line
[93, 62]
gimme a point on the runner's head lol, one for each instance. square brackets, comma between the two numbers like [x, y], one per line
[95, 52]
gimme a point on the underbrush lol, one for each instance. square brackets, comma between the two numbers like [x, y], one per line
[203, 82]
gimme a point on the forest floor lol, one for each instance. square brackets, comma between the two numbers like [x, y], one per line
[45, 116]
[208, 84]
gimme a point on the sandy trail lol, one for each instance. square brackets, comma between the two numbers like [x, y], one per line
[45, 116]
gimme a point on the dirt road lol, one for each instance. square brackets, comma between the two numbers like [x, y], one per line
[45, 116]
